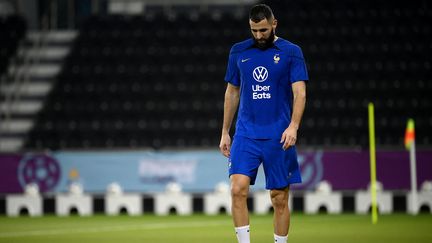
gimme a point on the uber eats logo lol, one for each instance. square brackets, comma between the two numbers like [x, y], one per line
[260, 74]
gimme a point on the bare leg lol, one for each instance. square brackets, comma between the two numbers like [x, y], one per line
[239, 193]
[281, 217]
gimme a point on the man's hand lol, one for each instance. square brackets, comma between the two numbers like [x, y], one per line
[289, 136]
[225, 145]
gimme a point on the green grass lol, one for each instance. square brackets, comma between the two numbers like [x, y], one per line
[348, 228]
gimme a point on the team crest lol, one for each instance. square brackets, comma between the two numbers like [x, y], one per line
[276, 58]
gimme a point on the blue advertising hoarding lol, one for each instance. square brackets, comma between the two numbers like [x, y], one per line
[197, 171]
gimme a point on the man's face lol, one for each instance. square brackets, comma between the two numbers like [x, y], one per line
[263, 32]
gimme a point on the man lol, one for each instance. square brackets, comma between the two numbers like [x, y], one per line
[266, 78]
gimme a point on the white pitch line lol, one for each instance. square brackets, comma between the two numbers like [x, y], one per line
[112, 228]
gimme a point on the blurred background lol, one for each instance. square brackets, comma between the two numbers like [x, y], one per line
[131, 91]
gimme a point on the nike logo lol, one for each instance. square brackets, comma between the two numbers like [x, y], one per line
[245, 60]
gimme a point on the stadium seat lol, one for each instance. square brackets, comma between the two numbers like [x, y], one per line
[363, 202]
[30, 201]
[66, 204]
[424, 199]
[218, 200]
[75, 199]
[262, 202]
[323, 198]
[17, 203]
[173, 199]
[12, 30]
[116, 201]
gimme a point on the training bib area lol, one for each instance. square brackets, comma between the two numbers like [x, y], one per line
[396, 228]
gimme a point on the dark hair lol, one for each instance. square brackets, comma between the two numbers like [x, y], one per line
[260, 12]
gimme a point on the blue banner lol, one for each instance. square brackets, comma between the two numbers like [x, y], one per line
[195, 171]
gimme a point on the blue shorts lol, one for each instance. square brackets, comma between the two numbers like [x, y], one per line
[280, 166]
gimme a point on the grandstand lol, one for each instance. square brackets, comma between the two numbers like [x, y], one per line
[150, 78]
[155, 80]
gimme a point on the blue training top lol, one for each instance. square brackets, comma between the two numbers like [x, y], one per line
[265, 78]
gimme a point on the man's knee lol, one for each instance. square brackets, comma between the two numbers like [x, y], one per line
[239, 191]
[239, 187]
[279, 199]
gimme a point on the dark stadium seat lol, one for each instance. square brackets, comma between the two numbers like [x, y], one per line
[12, 30]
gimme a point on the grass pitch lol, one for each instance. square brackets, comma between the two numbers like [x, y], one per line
[350, 228]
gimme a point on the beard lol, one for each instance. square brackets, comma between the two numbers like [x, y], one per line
[265, 43]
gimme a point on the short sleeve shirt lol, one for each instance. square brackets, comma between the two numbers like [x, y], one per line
[265, 78]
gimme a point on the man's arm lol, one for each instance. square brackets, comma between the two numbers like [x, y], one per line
[232, 95]
[289, 136]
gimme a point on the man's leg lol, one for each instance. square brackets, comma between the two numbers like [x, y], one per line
[281, 217]
[239, 209]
